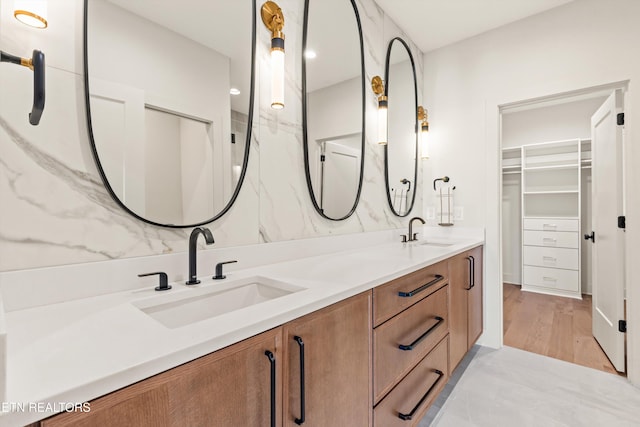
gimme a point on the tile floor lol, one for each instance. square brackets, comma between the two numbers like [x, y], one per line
[511, 387]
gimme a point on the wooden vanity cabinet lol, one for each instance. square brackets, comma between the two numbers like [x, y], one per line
[231, 387]
[465, 321]
[379, 358]
[410, 345]
[328, 361]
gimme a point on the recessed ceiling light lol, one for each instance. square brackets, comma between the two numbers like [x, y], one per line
[309, 54]
[234, 91]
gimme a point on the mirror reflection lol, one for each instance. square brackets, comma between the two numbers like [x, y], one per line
[333, 102]
[170, 104]
[401, 151]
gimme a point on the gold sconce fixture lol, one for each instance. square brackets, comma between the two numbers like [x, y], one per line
[31, 12]
[378, 88]
[423, 117]
[274, 21]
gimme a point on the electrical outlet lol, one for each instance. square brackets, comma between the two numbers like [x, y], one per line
[458, 213]
[431, 213]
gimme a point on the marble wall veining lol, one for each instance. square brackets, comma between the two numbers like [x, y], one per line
[55, 209]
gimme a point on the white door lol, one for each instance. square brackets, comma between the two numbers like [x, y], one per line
[117, 121]
[340, 177]
[608, 247]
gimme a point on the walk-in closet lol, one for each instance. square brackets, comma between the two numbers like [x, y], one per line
[548, 223]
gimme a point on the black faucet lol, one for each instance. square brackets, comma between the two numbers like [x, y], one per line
[412, 235]
[193, 240]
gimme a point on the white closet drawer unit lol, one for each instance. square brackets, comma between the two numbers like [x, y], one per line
[553, 278]
[551, 257]
[551, 224]
[559, 239]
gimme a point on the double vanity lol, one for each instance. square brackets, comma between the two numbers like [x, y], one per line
[362, 335]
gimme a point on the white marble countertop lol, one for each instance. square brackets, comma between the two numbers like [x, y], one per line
[78, 350]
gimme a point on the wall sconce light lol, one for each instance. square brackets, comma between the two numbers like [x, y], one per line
[36, 64]
[31, 12]
[274, 20]
[378, 88]
[424, 132]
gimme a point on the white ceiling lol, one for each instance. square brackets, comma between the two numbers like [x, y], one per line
[435, 23]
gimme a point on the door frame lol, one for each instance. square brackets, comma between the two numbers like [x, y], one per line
[633, 356]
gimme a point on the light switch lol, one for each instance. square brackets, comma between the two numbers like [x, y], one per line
[458, 213]
[431, 213]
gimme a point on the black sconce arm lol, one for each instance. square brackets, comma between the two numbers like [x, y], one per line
[36, 63]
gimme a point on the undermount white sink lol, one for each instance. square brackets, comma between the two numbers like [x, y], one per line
[196, 304]
[442, 244]
[439, 243]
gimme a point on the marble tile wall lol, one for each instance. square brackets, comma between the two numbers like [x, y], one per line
[54, 209]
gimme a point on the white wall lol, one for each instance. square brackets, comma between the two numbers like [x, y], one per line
[579, 45]
[569, 120]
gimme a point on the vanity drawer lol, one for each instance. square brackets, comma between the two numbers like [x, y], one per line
[553, 278]
[550, 224]
[560, 239]
[426, 379]
[417, 329]
[387, 299]
[551, 257]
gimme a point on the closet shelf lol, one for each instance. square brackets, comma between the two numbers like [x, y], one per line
[551, 167]
[552, 192]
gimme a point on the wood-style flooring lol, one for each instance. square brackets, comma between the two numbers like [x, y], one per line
[553, 326]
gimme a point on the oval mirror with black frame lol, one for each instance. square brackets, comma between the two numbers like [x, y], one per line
[333, 102]
[169, 91]
[401, 150]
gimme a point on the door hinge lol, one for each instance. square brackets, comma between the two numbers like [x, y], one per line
[622, 326]
[620, 119]
[622, 222]
[322, 157]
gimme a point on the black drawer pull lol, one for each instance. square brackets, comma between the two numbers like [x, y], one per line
[470, 273]
[421, 288]
[473, 271]
[423, 336]
[407, 417]
[272, 361]
[300, 420]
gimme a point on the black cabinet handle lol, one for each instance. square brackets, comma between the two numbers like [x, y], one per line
[300, 420]
[421, 288]
[407, 417]
[423, 336]
[470, 273]
[591, 236]
[272, 362]
[473, 271]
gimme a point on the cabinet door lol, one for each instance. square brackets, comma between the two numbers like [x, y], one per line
[327, 375]
[474, 298]
[460, 281]
[230, 387]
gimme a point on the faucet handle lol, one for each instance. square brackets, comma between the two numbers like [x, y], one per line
[219, 275]
[404, 238]
[415, 237]
[164, 282]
